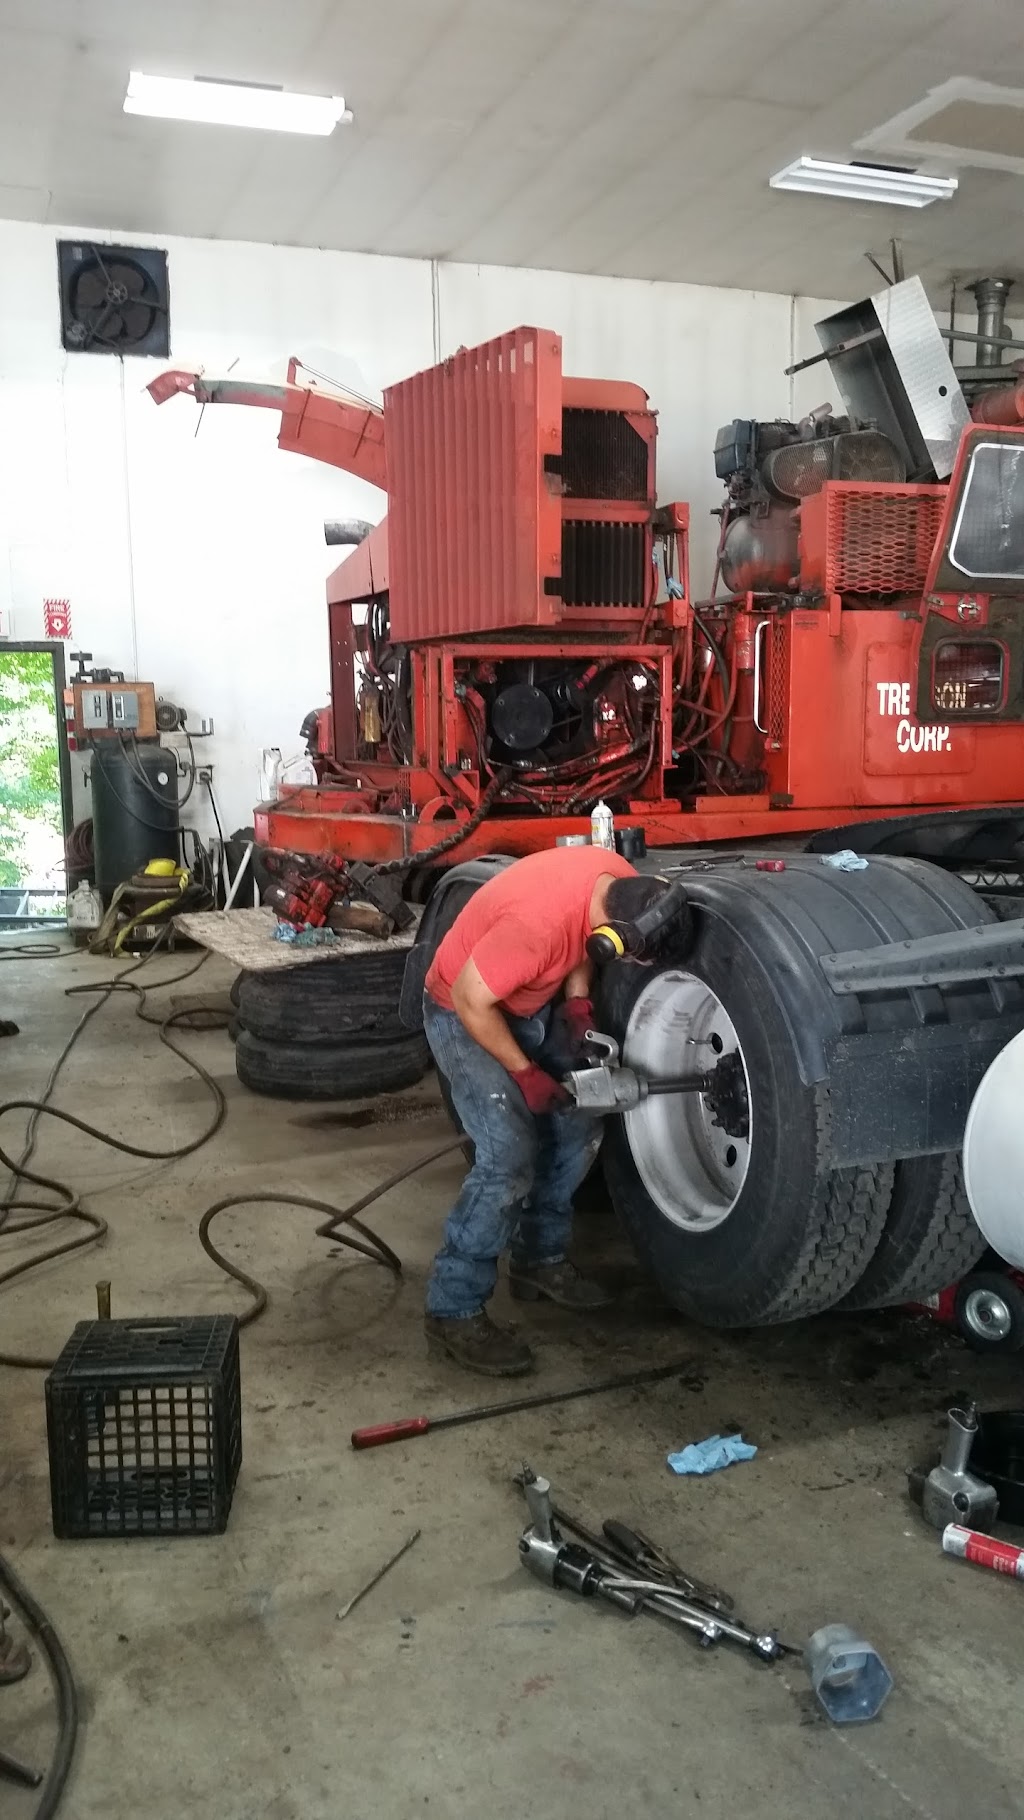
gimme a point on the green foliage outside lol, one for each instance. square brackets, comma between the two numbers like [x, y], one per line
[31, 833]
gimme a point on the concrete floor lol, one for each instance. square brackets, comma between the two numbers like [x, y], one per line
[215, 1675]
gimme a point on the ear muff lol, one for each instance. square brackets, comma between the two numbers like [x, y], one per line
[605, 944]
[612, 941]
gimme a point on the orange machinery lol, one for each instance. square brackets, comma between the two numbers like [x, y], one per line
[517, 638]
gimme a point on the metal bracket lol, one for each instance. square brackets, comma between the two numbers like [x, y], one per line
[992, 951]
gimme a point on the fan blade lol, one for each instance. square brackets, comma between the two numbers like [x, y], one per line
[97, 255]
[135, 281]
[94, 329]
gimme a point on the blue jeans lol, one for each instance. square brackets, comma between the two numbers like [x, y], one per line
[526, 1169]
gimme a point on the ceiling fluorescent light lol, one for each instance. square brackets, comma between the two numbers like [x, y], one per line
[233, 104]
[864, 183]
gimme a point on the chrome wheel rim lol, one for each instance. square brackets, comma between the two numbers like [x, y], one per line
[987, 1315]
[691, 1166]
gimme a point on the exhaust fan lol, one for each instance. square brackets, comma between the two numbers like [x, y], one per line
[113, 299]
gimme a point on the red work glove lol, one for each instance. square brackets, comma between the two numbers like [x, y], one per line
[576, 1017]
[540, 1090]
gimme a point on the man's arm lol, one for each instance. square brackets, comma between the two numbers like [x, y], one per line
[580, 981]
[476, 1007]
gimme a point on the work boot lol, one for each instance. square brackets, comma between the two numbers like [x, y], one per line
[559, 1283]
[479, 1345]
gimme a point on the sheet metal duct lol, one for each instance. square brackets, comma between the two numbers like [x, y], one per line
[890, 363]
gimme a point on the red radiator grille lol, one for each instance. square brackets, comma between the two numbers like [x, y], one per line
[474, 519]
[857, 539]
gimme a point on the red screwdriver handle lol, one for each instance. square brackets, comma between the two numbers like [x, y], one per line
[382, 1432]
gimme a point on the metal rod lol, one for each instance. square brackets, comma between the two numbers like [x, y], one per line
[650, 1594]
[841, 347]
[651, 1375]
[16, 1771]
[684, 1083]
[379, 1434]
[379, 1575]
[979, 340]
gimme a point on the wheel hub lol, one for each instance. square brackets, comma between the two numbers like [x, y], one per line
[692, 1151]
[987, 1315]
[727, 1100]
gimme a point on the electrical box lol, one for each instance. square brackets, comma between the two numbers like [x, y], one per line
[94, 710]
[109, 710]
[124, 708]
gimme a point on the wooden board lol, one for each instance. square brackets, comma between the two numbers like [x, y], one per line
[246, 937]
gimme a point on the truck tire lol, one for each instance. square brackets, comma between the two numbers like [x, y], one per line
[329, 1071]
[738, 1231]
[327, 1001]
[930, 1239]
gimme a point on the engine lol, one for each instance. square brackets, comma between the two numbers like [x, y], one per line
[548, 717]
[547, 724]
[769, 468]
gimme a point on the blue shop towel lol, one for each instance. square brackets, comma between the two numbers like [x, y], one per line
[711, 1455]
[845, 860]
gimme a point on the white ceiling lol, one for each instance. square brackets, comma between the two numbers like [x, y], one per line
[633, 137]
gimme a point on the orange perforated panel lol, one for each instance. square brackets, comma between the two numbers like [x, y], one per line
[778, 684]
[474, 517]
[858, 539]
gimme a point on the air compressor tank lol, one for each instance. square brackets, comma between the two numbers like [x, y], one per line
[134, 821]
[761, 553]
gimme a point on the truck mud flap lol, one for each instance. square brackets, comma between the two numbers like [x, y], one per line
[907, 1093]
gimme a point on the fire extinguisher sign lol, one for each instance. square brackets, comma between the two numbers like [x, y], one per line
[57, 619]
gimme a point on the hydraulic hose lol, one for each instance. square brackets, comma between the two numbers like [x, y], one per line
[373, 1247]
[49, 1642]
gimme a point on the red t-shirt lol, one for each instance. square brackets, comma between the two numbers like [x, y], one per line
[527, 928]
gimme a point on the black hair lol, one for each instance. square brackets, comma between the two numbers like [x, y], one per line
[628, 898]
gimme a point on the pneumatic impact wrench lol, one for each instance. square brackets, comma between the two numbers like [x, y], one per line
[609, 1086]
[547, 1553]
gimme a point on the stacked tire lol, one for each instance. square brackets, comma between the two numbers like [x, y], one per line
[328, 1030]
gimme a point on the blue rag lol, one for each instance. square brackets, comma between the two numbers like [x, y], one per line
[846, 860]
[711, 1455]
[304, 936]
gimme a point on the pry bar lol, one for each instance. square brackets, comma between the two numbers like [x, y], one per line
[380, 1434]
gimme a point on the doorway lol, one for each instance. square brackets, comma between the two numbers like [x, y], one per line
[35, 785]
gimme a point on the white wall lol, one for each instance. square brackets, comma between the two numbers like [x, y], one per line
[193, 553]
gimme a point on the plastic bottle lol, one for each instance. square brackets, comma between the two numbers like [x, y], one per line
[602, 827]
[85, 907]
[85, 911]
[270, 773]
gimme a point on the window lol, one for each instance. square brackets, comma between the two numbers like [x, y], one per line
[988, 538]
[968, 676]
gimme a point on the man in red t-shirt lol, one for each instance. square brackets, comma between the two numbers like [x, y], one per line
[506, 1006]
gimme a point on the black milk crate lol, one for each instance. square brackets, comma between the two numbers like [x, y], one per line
[144, 1421]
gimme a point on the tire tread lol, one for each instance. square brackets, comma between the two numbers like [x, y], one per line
[939, 1245]
[320, 1071]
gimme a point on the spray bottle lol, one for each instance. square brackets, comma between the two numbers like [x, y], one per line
[602, 827]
